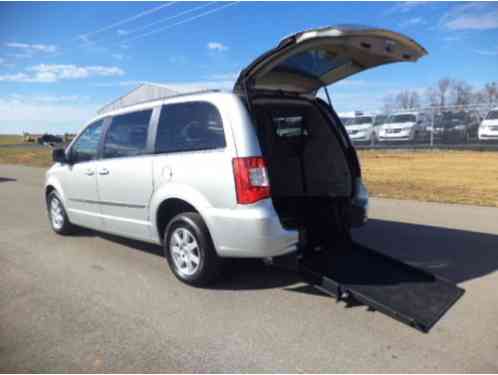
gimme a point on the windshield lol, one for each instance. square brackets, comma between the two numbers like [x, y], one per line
[402, 118]
[346, 120]
[450, 118]
[379, 120]
[493, 115]
[362, 120]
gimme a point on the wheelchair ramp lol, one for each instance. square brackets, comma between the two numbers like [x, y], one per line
[399, 290]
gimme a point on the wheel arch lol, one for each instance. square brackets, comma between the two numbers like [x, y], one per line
[53, 185]
[172, 199]
[167, 210]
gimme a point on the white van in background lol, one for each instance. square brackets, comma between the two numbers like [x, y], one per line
[488, 130]
[361, 128]
[404, 126]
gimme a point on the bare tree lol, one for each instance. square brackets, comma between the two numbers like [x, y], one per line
[491, 93]
[407, 99]
[443, 87]
[461, 93]
[432, 97]
[389, 103]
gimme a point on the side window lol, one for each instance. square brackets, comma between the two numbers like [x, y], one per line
[127, 135]
[86, 146]
[188, 127]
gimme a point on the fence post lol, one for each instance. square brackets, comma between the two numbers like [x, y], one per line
[432, 127]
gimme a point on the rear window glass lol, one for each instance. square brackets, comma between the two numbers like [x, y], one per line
[379, 120]
[362, 120]
[289, 125]
[493, 115]
[189, 127]
[315, 62]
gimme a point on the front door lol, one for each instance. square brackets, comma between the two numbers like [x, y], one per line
[79, 179]
[124, 176]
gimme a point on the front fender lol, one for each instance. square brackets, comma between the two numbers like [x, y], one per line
[54, 182]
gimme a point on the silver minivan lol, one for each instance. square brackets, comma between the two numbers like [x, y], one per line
[262, 171]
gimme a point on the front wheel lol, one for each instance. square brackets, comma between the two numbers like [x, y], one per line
[190, 251]
[57, 214]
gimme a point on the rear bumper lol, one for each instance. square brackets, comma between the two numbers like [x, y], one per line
[252, 231]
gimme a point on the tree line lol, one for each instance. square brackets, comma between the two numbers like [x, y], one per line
[446, 93]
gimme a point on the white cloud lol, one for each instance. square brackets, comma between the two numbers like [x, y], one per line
[217, 46]
[471, 16]
[404, 7]
[55, 115]
[487, 52]
[53, 73]
[121, 32]
[223, 76]
[32, 48]
[117, 84]
[117, 56]
[412, 22]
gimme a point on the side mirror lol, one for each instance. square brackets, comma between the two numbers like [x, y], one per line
[59, 155]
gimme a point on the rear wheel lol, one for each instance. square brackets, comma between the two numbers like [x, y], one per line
[57, 214]
[189, 250]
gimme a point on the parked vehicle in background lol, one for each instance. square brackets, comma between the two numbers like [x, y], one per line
[378, 122]
[405, 126]
[361, 129]
[456, 127]
[346, 120]
[347, 117]
[488, 130]
[50, 140]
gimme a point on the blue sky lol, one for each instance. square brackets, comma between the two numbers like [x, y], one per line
[59, 62]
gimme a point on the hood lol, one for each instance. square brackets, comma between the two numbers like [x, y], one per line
[490, 123]
[304, 62]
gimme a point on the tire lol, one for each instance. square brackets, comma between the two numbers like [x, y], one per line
[57, 215]
[190, 251]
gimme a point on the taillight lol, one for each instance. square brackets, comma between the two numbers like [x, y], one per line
[251, 179]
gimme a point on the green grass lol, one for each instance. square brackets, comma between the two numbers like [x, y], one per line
[31, 156]
[11, 139]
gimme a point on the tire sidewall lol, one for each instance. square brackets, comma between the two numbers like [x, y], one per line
[65, 226]
[199, 231]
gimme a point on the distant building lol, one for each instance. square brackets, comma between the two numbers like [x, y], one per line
[143, 93]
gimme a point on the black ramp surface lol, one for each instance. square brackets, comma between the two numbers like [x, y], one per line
[407, 293]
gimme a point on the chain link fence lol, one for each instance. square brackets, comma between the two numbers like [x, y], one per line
[448, 127]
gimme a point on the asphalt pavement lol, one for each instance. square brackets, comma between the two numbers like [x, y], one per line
[94, 302]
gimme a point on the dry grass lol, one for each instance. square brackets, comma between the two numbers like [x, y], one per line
[466, 177]
[11, 139]
[32, 156]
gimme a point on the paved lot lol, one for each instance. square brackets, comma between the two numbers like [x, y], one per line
[98, 303]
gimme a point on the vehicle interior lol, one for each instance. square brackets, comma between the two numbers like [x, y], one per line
[308, 169]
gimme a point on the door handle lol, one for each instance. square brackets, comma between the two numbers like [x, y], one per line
[89, 172]
[104, 171]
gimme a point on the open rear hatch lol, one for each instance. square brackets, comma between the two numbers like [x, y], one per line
[304, 62]
[313, 176]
